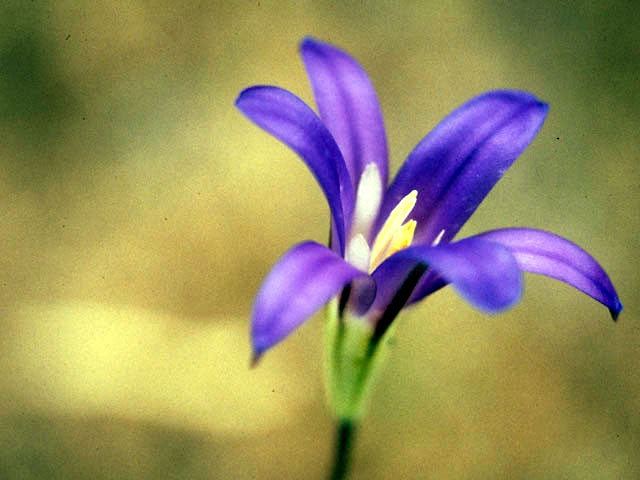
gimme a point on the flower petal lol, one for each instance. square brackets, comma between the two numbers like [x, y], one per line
[302, 281]
[348, 105]
[456, 165]
[484, 273]
[430, 283]
[289, 119]
[548, 254]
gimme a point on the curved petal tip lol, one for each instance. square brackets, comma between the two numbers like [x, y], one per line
[456, 165]
[308, 42]
[255, 359]
[246, 92]
[300, 283]
[546, 253]
[615, 311]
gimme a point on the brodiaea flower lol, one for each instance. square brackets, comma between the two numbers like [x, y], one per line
[391, 247]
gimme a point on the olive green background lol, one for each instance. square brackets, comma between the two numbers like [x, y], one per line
[139, 212]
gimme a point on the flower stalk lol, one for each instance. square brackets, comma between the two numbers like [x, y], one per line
[345, 437]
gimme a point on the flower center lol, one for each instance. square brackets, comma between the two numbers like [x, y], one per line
[396, 233]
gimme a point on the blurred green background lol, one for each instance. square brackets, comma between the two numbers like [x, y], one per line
[139, 212]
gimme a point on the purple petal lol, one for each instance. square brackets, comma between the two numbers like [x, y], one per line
[548, 254]
[454, 167]
[485, 274]
[348, 105]
[289, 119]
[302, 281]
[430, 283]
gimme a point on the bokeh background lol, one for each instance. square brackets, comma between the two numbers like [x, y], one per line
[139, 212]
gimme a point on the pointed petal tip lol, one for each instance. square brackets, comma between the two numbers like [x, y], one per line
[245, 92]
[307, 41]
[615, 311]
[544, 106]
[521, 96]
[255, 359]
[241, 96]
[541, 106]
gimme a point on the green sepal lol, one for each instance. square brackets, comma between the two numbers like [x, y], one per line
[352, 361]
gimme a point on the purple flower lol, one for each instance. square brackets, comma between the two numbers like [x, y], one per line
[392, 246]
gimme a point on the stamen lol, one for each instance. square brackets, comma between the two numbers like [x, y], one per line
[395, 220]
[403, 237]
[358, 253]
[438, 238]
[368, 198]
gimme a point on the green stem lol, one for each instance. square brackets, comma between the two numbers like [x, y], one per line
[344, 442]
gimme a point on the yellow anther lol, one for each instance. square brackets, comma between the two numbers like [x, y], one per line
[401, 240]
[403, 237]
[392, 225]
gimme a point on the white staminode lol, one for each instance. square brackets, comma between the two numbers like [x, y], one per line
[358, 253]
[394, 235]
[368, 200]
[438, 238]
